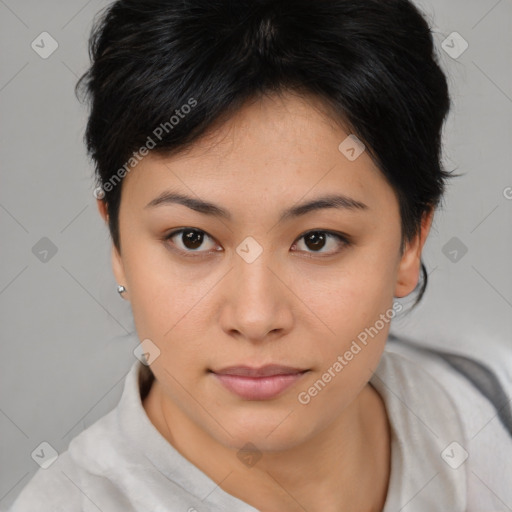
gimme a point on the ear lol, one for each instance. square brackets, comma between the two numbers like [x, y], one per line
[118, 269]
[410, 261]
[117, 262]
[102, 208]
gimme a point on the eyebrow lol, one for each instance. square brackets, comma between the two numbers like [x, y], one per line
[338, 201]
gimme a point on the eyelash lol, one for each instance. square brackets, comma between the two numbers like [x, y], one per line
[343, 239]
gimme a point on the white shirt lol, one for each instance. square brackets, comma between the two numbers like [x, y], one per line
[438, 417]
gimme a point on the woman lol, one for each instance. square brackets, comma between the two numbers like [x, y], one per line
[269, 172]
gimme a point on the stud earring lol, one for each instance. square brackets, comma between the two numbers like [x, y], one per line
[120, 289]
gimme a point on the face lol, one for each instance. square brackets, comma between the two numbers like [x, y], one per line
[252, 286]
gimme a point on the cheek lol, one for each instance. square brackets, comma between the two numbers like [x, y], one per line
[359, 314]
[353, 296]
[357, 308]
[167, 303]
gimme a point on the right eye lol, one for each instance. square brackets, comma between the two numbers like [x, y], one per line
[188, 241]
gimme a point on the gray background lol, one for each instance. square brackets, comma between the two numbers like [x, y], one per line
[67, 337]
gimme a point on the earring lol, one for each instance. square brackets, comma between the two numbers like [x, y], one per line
[120, 289]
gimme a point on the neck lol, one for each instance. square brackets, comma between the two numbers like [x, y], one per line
[345, 467]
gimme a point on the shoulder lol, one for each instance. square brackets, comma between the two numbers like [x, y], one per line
[71, 482]
[481, 390]
[461, 396]
[54, 487]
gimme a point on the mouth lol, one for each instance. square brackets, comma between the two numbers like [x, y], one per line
[262, 383]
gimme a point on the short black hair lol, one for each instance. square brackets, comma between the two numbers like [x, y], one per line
[166, 70]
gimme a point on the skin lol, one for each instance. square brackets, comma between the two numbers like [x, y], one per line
[298, 305]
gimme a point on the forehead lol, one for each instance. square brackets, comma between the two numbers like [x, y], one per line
[275, 148]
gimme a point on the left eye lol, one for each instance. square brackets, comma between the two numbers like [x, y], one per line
[192, 239]
[317, 240]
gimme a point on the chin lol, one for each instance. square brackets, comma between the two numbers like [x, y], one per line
[269, 432]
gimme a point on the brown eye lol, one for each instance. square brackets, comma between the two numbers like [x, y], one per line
[315, 241]
[189, 240]
[192, 239]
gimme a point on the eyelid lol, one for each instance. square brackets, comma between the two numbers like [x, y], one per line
[344, 239]
[343, 236]
[191, 254]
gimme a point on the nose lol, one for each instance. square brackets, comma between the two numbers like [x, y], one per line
[258, 305]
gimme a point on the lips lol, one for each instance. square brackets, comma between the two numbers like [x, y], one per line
[262, 383]
[264, 371]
